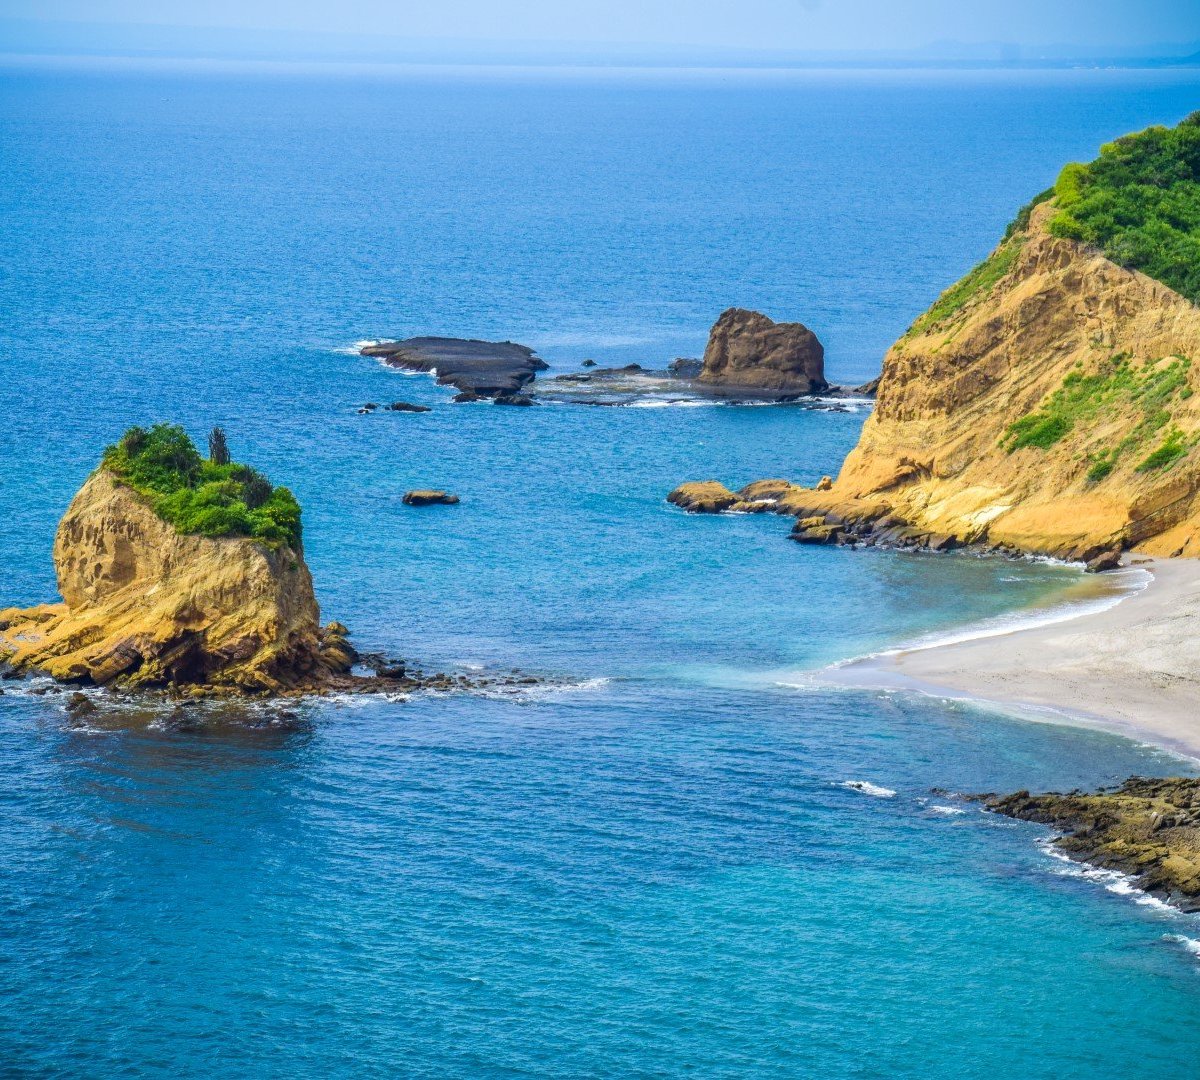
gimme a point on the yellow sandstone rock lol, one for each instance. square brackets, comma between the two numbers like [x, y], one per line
[147, 607]
[938, 454]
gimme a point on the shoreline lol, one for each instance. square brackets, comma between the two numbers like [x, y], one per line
[1131, 668]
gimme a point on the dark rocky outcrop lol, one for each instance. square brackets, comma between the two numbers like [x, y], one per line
[429, 497]
[1147, 828]
[407, 406]
[745, 348]
[484, 368]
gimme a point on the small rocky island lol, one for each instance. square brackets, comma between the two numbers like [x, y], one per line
[477, 369]
[187, 575]
[176, 571]
[745, 348]
[749, 359]
[1146, 828]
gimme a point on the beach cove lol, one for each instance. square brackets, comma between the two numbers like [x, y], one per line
[1130, 668]
[661, 859]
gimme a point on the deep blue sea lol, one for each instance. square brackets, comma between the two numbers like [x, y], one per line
[653, 868]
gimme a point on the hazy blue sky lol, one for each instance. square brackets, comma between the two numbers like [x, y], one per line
[769, 24]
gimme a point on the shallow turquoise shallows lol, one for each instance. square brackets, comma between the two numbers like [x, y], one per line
[655, 868]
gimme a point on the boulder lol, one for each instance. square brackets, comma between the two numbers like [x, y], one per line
[747, 349]
[429, 497]
[407, 406]
[703, 497]
[1109, 560]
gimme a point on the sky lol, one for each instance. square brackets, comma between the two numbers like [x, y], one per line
[802, 25]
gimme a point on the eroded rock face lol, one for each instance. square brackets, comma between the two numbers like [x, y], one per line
[1148, 828]
[147, 607]
[935, 465]
[748, 349]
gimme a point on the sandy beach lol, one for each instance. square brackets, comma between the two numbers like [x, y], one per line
[1133, 668]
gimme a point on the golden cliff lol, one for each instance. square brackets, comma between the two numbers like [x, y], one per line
[147, 607]
[1044, 403]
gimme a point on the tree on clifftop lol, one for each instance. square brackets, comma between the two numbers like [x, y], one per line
[218, 449]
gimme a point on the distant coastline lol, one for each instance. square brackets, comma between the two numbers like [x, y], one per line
[63, 39]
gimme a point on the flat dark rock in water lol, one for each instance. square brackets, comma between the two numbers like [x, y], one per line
[486, 368]
[429, 498]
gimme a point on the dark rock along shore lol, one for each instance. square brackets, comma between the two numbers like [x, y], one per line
[866, 525]
[1146, 828]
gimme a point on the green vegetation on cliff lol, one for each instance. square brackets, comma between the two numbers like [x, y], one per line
[978, 282]
[205, 498]
[1142, 392]
[1139, 203]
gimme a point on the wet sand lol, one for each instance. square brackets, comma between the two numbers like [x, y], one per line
[1133, 668]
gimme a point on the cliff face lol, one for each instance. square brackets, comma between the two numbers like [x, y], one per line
[147, 607]
[1044, 403]
[748, 349]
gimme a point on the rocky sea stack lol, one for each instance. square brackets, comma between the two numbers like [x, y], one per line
[179, 573]
[1046, 402]
[747, 349]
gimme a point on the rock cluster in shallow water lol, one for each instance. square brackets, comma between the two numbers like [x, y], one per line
[1147, 828]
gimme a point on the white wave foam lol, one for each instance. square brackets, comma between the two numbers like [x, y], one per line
[853, 403]
[1132, 580]
[356, 348]
[1113, 881]
[658, 403]
[949, 811]
[867, 788]
[432, 372]
[1190, 945]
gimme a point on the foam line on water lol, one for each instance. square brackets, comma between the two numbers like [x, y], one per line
[867, 788]
[1132, 580]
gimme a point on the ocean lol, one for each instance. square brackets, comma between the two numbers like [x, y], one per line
[684, 855]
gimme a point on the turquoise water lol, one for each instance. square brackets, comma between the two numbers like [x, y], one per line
[657, 870]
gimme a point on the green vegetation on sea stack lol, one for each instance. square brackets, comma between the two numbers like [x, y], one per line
[207, 498]
[1139, 203]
